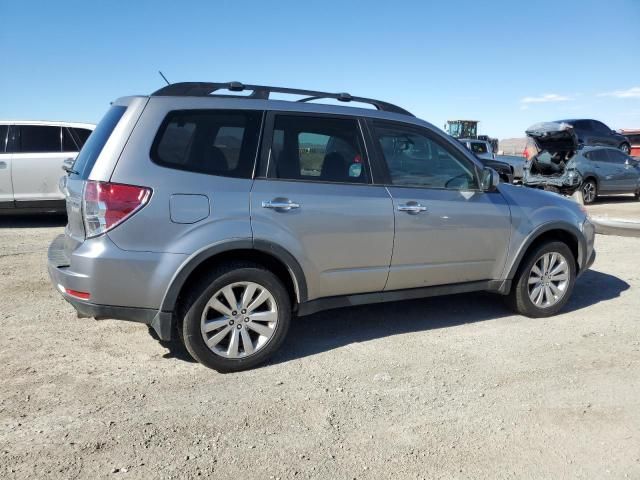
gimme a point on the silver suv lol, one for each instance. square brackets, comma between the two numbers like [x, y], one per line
[216, 217]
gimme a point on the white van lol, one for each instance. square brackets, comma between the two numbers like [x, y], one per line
[32, 154]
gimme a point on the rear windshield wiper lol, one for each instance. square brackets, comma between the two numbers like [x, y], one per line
[70, 170]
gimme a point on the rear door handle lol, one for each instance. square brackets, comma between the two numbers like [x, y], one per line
[283, 204]
[412, 208]
[3, 165]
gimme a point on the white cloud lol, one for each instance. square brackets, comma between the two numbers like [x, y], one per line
[546, 98]
[633, 92]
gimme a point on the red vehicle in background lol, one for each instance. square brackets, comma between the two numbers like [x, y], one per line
[633, 135]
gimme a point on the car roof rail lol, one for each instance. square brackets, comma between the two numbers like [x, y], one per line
[262, 92]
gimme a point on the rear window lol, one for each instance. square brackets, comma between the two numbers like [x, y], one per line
[478, 147]
[215, 142]
[96, 141]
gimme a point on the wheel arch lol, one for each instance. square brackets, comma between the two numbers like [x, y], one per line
[560, 231]
[271, 256]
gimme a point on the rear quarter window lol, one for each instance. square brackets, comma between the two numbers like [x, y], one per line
[90, 152]
[214, 142]
[478, 148]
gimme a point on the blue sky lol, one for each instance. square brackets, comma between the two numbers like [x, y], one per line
[506, 63]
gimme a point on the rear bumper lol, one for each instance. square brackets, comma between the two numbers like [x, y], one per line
[564, 183]
[121, 284]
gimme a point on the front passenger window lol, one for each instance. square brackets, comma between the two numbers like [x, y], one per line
[417, 160]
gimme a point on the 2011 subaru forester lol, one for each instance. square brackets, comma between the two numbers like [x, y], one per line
[215, 217]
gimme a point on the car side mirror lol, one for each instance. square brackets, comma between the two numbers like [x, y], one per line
[490, 180]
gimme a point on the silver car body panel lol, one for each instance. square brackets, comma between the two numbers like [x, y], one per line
[342, 240]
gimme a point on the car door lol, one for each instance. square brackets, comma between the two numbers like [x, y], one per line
[314, 196]
[37, 165]
[6, 188]
[600, 166]
[625, 173]
[447, 230]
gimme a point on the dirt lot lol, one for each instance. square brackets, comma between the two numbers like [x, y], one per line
[451, 387]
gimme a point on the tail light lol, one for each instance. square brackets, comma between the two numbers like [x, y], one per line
[525, 153]
[106, 205]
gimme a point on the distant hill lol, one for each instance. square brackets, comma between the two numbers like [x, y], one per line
[512, 146]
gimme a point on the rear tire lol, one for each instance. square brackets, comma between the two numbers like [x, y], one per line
[236, 317]
[540, 290]
[589, 190]
[626, 148]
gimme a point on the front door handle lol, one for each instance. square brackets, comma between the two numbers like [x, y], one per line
[3, 165]
[412, 208]
[283, 204]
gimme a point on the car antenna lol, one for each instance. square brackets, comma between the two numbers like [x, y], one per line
[164, 78]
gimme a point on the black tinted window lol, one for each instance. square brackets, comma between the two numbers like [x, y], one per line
[416, 159]
[80, 135]
[91, 150]
[600, 127]
[3, 137]
[582, 125]
[68, 142]
[318, 149]
[36, 139]
[617, 157]
[598, 156]
[215, 142]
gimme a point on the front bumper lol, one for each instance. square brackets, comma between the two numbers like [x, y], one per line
[122, 285]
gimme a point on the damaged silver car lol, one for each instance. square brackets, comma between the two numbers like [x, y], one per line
[562, 166]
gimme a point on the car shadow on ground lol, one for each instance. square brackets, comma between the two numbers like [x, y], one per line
[44, 220]
[337, 328]
[333, 329]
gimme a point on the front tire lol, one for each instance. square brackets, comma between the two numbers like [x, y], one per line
[589, 190]
[544, 281]
[236, 317]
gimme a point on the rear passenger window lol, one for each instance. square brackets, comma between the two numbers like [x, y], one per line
[318, 149]
[68, 142]
[38, 139]
[81, 135]
[215, 142]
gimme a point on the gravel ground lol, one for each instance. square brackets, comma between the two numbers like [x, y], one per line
[452, 387]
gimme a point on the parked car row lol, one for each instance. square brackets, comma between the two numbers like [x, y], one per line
[564, 163]
[32, 154]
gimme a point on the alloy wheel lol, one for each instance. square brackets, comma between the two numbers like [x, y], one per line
[239, 320]
[548, 279]
[588, 192]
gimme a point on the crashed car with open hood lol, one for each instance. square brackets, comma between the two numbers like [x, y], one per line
[553, 167]
[564, 167]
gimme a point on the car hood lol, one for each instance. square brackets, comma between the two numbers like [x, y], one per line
[553, 136]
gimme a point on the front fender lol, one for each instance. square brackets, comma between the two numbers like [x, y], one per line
[573, 230]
